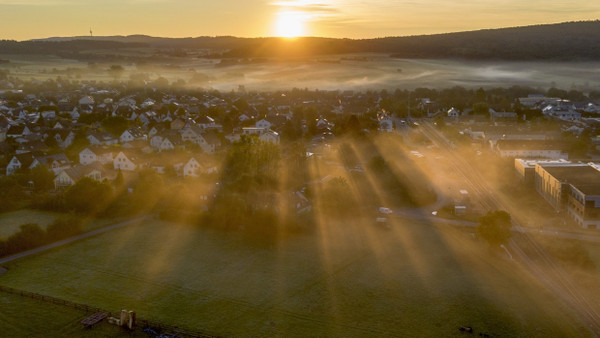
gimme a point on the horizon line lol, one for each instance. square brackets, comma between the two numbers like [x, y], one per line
[86, 37]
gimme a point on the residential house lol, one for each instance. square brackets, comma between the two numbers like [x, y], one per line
[270, 136]
[20, 161]
[243, 118]
[141, 145]
[16, 131]
[86, 103]
[132, 134]
[263, 124]
[178, 123]
[386, 124]
[207, 140]
[323, 124]
[63, 137]
[93, 154]
[210, 142]
[192, 168]
[170, 142]
[56, 163]
[70, 176]
[101, 138]
[252, 131]
[156, 129]
[207, 122]
[128, 161]
[453, 113]
[48, 115]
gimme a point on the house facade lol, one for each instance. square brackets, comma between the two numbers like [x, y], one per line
[126, 162]
[95, 154]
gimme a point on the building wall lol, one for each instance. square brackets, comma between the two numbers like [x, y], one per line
[550, 188]
[584, 209]
[551, 154]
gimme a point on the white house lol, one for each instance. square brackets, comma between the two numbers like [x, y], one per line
[127, 162]
[101, 138]
[170, 142]
[56, 163]
[270, 136]
[386, 124]
[191, 168]
[95, 154]
[252, 131]
[263, 124]
[70, 176]
[452, 112]
[15, 131]
[86, 102]
[132, 134]
[63, 137]
[19, 161]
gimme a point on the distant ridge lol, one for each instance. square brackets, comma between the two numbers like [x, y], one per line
[564, 41]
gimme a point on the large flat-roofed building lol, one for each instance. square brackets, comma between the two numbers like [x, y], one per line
[539, 149]
[574, 189]
[525, 169]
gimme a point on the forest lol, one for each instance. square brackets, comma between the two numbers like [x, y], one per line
[570, 41]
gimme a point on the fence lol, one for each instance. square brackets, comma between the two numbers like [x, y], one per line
[156, 326]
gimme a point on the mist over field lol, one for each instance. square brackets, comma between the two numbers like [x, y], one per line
[342, 72]
[385, 73]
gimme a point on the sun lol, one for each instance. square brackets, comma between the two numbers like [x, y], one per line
[289, 25]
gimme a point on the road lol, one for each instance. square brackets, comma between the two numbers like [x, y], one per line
[536, 260]
[425, 216]
[70, 240]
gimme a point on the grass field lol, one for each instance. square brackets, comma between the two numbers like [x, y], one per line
[11, 221]
[347, 280]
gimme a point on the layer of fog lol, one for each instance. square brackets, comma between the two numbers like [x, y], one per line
[328, 73]
[387, 73]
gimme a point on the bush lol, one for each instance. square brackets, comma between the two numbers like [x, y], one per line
[29, 236]
[63, 228]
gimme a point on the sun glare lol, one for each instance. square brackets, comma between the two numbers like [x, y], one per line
[289, 25]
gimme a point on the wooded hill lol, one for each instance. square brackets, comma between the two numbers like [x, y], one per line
[565, 42]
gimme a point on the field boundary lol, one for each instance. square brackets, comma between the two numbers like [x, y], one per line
[141, 323]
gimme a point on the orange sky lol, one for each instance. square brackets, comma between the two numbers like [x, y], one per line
[27, 19]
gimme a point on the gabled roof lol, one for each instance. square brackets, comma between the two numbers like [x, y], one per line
[79, 171]
[15, 130]
[61, 158]
[25, 159]
[99, 150]
[135, 132]
[101, 135]
[64, 133]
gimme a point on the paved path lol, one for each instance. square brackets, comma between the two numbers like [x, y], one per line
[420, 215]
[69, 240]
